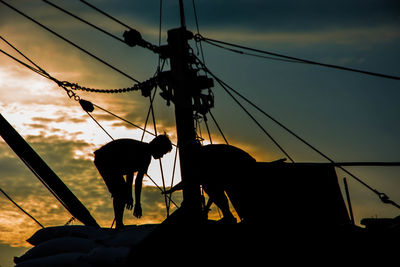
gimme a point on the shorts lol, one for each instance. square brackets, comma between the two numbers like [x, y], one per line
[114, 181]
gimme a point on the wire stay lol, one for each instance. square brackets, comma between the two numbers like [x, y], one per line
[105, 14]
[382, 196]
[68, 41]
[84, 21]
[295, 59]
[19, 207]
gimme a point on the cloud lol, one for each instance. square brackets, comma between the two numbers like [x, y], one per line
[291, 16]
[78, 173]
[66, 137]
[334, 36]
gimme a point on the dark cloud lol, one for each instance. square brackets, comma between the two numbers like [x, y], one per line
[292, 15]
[79, 174]
[263, 15]
[353, 32]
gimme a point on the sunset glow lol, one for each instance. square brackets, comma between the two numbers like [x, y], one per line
[348, 116]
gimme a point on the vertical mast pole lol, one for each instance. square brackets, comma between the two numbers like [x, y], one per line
[179, 59]
[182, 13]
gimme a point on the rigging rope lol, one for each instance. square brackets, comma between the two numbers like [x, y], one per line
[382, 196]
[219, 128]
[173, 177]
[208, 129]
[64, 84]
[24, 64]
[160, 30]
[19, 207]
[151, 179]
[70, 221]
[118, 117]
[256, 122]
[213, 42]
[224, 86]
[87, 111]
[148, 115]
[19, 52]
[73, 86]
[68, 41]
[162, 173]
[99, 125]
[159, 160]
[71, 94]
[159, 69]
[251, 54]
[198, 30]
[84, 21]
[105, 14]
[65, 205]
[87, 107]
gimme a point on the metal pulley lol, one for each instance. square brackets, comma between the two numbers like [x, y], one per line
[86, 105]
[133, 37]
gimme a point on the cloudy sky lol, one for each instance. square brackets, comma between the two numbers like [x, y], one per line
[348, 116]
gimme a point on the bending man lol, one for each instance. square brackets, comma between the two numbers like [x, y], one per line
[125, 157]
[222, 169]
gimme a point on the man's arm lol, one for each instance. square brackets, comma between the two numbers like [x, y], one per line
[129, 182]
[137, 211]
[177, 187]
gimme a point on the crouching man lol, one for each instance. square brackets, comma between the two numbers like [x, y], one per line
[124, 157]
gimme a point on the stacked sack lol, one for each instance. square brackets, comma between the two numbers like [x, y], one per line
[82, 246]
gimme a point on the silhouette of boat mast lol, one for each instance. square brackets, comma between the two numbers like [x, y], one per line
[184, 87]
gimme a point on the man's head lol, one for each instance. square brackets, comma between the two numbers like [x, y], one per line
[160, 146]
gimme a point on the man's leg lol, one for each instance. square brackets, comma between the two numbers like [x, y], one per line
[115, 184]
[119, 206]
[119, 193]
[218, 197]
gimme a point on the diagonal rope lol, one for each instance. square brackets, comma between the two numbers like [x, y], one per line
[173, 176]
[295, 59]
[255, 121]
[125, 120]
[382, 196]
[159, 160]
[83, 20]
[208, 129]
[24, 64]
[218, 127]
[151, 179]
[19, 207]
[105, 14]
[90, 115]
[68, 41]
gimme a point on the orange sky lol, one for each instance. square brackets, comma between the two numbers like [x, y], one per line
[350, 117]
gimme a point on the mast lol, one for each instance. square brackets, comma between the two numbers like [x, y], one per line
[177, 42]
[184, 111]
[183, 86]
[182, 14]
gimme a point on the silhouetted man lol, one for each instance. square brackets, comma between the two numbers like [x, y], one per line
[219, 169]
[125, 157]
